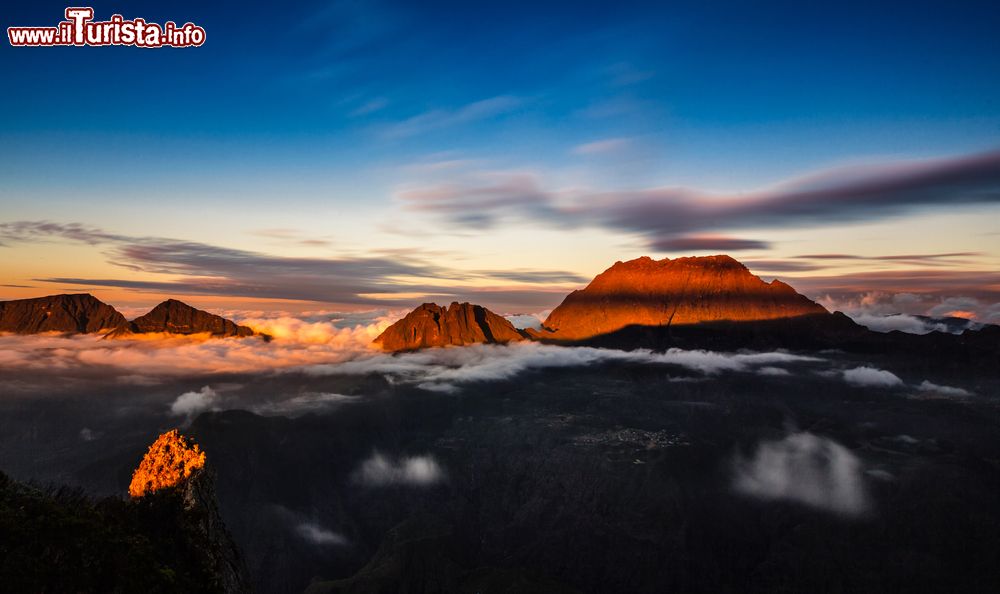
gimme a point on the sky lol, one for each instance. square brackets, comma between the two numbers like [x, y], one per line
[375, 155]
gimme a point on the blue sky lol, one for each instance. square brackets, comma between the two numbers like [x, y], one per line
[335, 110]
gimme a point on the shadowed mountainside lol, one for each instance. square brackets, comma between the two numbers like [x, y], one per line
[675, 292]
[77, 313]
[431, 325]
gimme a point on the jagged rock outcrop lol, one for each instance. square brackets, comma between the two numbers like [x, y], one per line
[175, 317]
[667, 292]
[431, 325]
[173, 479]
[77, 313]
[171, 460]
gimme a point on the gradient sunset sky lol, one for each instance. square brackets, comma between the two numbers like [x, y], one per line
[360, 155]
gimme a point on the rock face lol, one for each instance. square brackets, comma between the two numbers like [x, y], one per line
[174, 481]
[80, 313]
[431, 325]
[171, 460]
[668, 292]
[175, 317]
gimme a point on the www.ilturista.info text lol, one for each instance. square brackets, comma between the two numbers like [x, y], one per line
[79, 28]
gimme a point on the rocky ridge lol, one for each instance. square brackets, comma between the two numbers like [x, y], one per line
[175, 317]
[73, 313]
[459, 324]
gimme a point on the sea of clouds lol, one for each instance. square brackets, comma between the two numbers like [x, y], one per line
[329, 344]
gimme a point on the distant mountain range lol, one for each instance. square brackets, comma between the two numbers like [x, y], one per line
[59, 313]
[709, 302]
[641, 292]
[697, 302]
[85, 314]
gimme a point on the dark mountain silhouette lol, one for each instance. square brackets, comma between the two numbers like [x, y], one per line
[176, 317]
[431, 325]
[677, 292]
[78, 313]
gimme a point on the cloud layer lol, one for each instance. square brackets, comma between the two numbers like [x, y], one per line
[445, 369]
[326, 346]
[297, 343]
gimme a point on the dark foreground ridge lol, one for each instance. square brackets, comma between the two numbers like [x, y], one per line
[169, 539]
[78, 313]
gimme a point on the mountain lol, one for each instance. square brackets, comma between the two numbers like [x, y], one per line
[683, 291]
[431, 325]
[176, 317]
[79, 313]
[167, 539]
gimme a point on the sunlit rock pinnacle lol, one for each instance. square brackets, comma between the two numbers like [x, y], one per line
[171, 460]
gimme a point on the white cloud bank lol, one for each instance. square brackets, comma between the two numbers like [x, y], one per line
[902, 322]
[296, 343]
[445, 368]
[323, 344]
[807, 469]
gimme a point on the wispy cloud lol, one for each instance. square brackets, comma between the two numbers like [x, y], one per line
[214, 270]
[369, 107]
[416, 471]
[311, 402]
[833, 196]
[940, 259]
[602, 147]
[445, 118]
[318, 535]
[949, 391]
[700, 243]
[480, 198]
